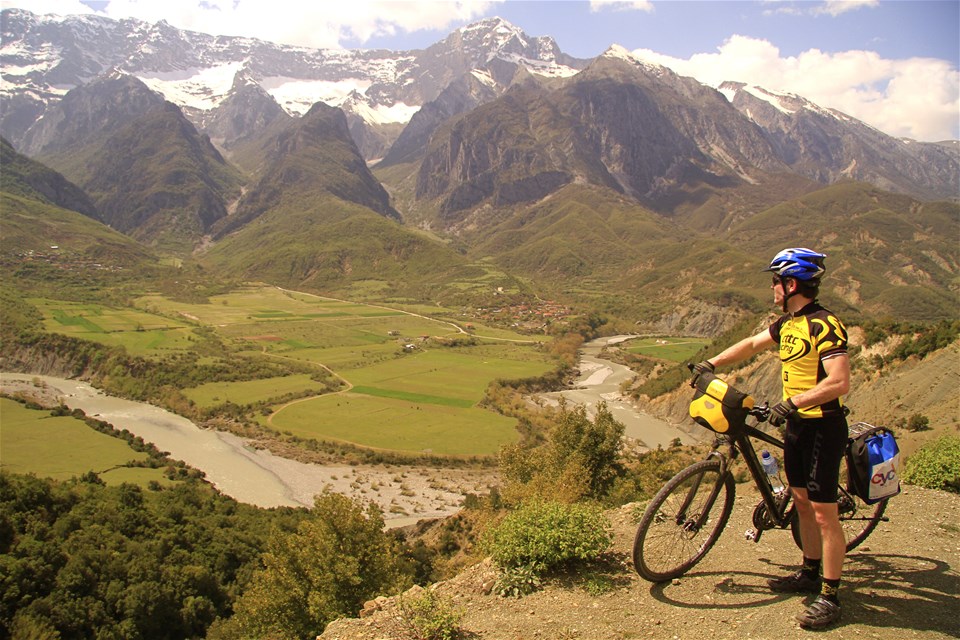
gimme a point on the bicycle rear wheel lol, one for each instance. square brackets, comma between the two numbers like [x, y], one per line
[683, 521]
[857, 518]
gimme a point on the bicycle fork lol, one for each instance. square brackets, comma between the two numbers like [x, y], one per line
[701, 518]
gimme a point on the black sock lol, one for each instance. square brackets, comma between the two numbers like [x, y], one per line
[831, 590]
[811, 568]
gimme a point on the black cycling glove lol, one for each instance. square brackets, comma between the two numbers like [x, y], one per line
[702, 367]
[780, 412]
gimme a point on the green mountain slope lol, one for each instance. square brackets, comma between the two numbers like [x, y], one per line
[328, 245]
[149, 171]
[313, 155]
[888, 254]
[30, 225]
[21, 176]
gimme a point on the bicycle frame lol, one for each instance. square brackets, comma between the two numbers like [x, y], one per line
[739, 442]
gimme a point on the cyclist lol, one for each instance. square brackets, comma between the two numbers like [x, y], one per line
[816, 372]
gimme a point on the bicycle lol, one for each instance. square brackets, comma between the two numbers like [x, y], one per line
[680, 524]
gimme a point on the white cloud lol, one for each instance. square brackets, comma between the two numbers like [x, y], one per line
[621, 5]
[916, 98]
[837, 7]
[296, 22]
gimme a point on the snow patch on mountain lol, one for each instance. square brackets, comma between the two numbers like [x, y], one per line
[539, 67]
[484, 76]
[383, 114]
[770, 97]
[619, 52]
[201, 89]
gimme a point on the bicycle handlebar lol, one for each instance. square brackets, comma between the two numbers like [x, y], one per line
[761, 412]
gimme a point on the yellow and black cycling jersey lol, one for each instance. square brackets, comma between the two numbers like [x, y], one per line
[806, 339]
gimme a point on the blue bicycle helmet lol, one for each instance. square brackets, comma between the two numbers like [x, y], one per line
[802, 264]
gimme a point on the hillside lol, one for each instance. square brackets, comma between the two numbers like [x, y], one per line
[902, 582]
[149, 172]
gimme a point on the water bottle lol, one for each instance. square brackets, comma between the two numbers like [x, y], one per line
[773, 472]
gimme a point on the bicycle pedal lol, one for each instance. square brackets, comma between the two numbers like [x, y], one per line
[752, 534]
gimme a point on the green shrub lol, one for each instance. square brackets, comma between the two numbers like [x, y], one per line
[936, 465]
[430, 617]
[548, 535]
[515, 582]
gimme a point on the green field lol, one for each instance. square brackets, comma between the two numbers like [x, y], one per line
[364, 344]
[448, 373]
[673, 349]
[63, 447]
[251, 391]
[399, 425]
[140, 332]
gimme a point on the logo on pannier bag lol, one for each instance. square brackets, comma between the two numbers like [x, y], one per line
[883, 478]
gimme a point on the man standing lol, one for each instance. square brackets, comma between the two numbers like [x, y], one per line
[816, 373]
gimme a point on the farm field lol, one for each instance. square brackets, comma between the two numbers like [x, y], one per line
[401, 367]
[414, 424]
[250, 391]
[675, 349]
[140, 332]
[64, 447]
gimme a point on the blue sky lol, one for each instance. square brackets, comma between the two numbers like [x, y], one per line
[897, 29]
[893, 64]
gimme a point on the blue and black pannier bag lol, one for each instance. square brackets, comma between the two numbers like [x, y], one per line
[873, 463]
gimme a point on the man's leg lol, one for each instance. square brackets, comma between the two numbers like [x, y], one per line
[825, 610]
[834, 544]
[807, 579]
[810, 537]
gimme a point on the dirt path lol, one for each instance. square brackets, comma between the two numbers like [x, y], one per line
[902, 583]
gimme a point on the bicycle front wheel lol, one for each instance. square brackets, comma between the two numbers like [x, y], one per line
[683, 521]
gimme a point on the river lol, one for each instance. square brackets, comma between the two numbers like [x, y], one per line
[256, 476]
[600, 381]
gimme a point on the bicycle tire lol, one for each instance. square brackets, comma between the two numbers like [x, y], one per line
[668, 543]
[857, 518]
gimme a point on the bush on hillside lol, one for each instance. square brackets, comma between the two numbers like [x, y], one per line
[339, 557]
[580, 459]
[548, 536]
[429, 616]
[936, 465]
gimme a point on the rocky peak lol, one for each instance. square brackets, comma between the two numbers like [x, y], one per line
[103, 105]
[828, 145]
[491, 36]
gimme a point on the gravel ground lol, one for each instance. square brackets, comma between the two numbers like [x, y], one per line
[903, 582]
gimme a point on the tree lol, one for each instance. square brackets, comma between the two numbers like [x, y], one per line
[579, 459]
[336, 560]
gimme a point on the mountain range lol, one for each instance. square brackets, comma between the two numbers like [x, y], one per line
[326, 167]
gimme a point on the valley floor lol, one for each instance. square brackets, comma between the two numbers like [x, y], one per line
[256, 476]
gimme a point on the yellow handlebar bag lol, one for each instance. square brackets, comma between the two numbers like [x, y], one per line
[718, 406]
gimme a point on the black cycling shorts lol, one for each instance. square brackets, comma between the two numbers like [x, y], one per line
[813, 450]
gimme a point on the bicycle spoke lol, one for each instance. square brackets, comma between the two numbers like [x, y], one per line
[683, 521]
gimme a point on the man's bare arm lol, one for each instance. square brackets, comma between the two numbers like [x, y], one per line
[744, 349]
[836, 384]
